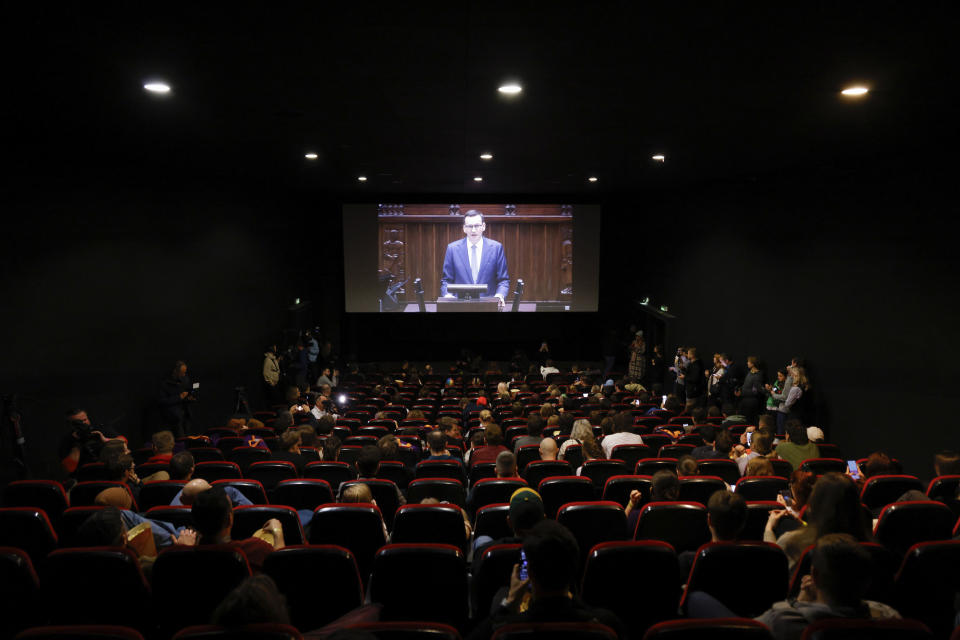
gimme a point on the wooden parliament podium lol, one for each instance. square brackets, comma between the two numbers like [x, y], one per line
[468, 300]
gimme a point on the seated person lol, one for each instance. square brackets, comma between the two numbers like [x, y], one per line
[361, 494]
[493, 445]
[839, 577]
[213, 516]
[526, 510]
[665, 487]
[197, 486]
[546, 595]
[368, 463]
[726, 517]
[182, 466]
[163, 442]
[687, 465]
[289, 451]
[534, 433]
[549, 449]
[796, 448]
[108, 528]
[437, 446]
[255, 601]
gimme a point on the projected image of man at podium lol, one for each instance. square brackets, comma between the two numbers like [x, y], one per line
[476, 260]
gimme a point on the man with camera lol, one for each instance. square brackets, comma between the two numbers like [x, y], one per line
[82, 444]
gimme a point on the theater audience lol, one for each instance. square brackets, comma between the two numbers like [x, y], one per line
[547, 594]
[687, 465]
[834, 507]
[182, 466]
[760, 447]
[534, 433]
[212, 514]
[548, 449]
[796, 448]
[368, 464]
[289, 450]
[622, 423]
[835, 588]
[493, 445]
[162, 442]
[946, 463]
[582, 434]
[437, 446]
[197, 486]
[759, 467]
[726, 517]
[255, 601]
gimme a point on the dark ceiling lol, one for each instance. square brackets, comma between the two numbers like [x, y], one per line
[405, 93]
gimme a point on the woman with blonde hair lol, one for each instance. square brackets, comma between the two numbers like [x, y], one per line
[582, 434]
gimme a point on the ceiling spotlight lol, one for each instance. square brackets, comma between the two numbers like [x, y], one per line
[855, 91]
[157, 87]
[593, 178]
[478, 179]
[362, 178]
[658, 157]
[310, 156]
[664, 308]
[645, 300]
[510, 89]
[486, 156]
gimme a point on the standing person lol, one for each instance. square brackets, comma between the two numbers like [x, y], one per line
[694, 380]
[271, 374]
[713, 380]
[679, 369]
[476, 260]
[176, 396]
[638, 357]
[794, 389]
[656, 366]
[751, 391]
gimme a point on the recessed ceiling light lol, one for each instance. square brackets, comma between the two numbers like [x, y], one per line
[855, 91]
[310, 156]
[362, 178]
[478, 179]
[658, 157]
[510, 89]
[593, 178]
[486, 156]
[157, 87]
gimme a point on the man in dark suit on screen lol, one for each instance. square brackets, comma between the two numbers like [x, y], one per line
[476, 260]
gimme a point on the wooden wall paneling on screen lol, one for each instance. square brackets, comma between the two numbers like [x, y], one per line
[413, 244]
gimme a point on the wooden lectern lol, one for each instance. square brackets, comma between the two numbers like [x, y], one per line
[488, 305]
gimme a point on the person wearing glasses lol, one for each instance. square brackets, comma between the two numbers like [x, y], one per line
[476, 260]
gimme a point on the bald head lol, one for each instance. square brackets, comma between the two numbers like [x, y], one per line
[194, 488]
[548, 449]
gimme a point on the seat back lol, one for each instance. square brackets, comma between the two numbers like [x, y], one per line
[189, 583]
[357, 527]
[592, 523]
[674, 450]
[443, 489]
[40, 494]
[385, 494]
[178, 516]
[452, 468]
[747, 577]
[537, 470]
[491, 571]
[70, 523]
[820, 466]
[830, 451]
[394, 471]
[29, 529]
[611, 564]
[554, 630]
[399, 630]
[559, 490]
[156, 494]
[92, 471]
[333, 472]
[248, 519]
[600, 470]
[761, 487]
[216, 470]
[720, 467]
[574, 455]
[758, 512]
[430, 523]
[258, 631]
[80, 580]
[866, 629]
[481, 471]
[340, 590]
[903, 524]
[631, 454]
[206, 454]
[681, 524]
[649, 466]
[403, 573]
[19, 592]
[926, 584]
[491, 521]
[303, 494]
[618, 488]
[492, 491]
[526, 454]
[271, 472]
[884, 564]
[879, 491]
[700, 488]
[252, 490]
[713, 628]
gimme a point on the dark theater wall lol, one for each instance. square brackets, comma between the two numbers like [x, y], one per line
[105, 287]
